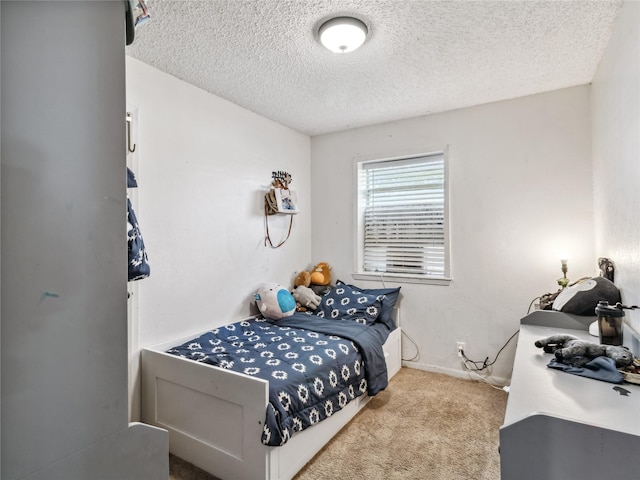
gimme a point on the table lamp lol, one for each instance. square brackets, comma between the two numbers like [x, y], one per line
[564, 281]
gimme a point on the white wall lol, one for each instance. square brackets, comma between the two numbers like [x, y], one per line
[203, 167]
[64, 322]
[615, 106]
[520, 195]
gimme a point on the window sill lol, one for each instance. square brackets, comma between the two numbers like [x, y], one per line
[403, 278]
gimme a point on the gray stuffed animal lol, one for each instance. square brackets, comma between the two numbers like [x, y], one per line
[571, 350]
[306, 298]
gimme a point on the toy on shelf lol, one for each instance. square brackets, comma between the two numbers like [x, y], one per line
[571, 350]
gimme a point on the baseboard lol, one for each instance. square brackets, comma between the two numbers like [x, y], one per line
[464, 374]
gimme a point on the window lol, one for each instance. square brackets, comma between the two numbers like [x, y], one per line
[402, 206]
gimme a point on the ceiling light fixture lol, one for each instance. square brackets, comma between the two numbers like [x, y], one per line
[343, 34]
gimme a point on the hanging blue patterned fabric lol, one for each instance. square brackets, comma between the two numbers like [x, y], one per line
[131, 179]
[138, 262]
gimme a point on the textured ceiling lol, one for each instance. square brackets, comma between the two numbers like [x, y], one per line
[420, 57]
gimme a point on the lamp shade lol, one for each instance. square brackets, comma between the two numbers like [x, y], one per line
[343, 34]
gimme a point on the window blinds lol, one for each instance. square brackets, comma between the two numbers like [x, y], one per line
[404, 229]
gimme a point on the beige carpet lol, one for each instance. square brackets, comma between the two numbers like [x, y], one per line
[424, 426]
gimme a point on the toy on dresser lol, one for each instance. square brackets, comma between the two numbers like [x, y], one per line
[631, 372]
[571, 350]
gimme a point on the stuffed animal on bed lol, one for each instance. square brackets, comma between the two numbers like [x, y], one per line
[274, 301]
[306, 298]
[317, 279]
[318, 275]
[303, 279]
[571, 350]
[321, 274]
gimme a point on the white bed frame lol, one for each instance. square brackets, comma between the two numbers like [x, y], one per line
[202, 407]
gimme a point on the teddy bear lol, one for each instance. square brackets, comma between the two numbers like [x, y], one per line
[306, 299]
[303, 278]
[318, 278]
[321, 274]
[571, 350]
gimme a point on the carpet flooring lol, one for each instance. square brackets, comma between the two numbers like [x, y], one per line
[424, 426]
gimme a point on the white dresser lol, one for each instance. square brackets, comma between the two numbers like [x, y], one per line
[562, 426]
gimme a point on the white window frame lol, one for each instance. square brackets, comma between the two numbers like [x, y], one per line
[359, 272]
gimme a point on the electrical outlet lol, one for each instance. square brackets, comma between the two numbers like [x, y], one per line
[459, 348]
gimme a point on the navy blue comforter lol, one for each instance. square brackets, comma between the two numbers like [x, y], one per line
[314, 366]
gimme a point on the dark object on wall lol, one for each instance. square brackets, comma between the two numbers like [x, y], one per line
[279, 199]
[582, 297]
[607, 269]
[136, 14]
[138, 262]
[129, 26]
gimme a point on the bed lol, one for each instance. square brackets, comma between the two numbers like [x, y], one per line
[217, 417]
